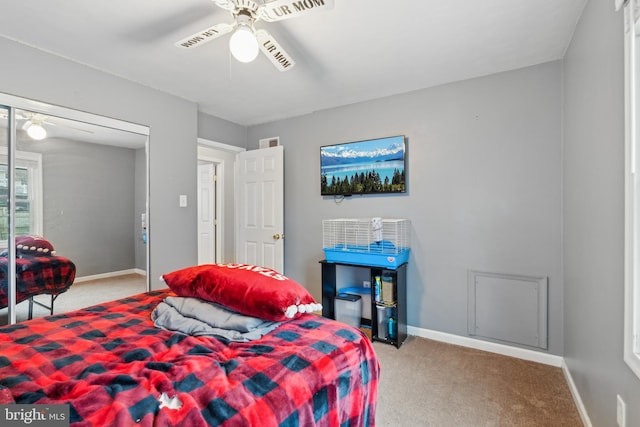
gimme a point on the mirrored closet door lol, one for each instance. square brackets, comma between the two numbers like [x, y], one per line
[7, 286]
[79, 216]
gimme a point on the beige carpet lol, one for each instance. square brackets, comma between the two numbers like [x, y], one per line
[429, 383]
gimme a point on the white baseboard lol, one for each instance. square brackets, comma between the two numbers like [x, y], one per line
[110, 275]
[576, 396]
[520, 353]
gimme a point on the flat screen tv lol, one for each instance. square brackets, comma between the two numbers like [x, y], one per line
[373, 166]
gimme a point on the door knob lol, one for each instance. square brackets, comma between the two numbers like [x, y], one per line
[277, 236]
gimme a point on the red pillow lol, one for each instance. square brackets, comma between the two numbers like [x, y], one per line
[248, 289]
[34, 245]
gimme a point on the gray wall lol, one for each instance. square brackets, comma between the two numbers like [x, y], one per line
[88, 201]
[88, 192]
[483, 187]
[173, 124]
[593, 216]
[222, 131]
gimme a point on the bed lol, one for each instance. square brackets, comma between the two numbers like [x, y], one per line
[39, 271]
[113, 366]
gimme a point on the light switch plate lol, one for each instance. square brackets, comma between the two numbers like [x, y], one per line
[183, 200]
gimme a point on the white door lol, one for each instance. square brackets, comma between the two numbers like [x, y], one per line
[206, 214]
[260, 208]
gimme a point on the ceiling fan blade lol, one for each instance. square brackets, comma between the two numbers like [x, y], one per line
[225, 4]
[270, 47]
[285, 9]
[234, 6]
[204, 36]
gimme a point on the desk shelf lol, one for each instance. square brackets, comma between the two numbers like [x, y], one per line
[333, 282]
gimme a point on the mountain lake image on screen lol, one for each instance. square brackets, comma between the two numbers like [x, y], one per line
[371, 166]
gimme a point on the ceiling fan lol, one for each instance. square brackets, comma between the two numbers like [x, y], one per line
[246, 41]
[34, 123]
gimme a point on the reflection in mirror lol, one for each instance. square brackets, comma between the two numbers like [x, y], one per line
[82, 189]
[6, 294]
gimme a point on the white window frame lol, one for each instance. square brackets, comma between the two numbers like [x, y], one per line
[632, 186]
[33, 163]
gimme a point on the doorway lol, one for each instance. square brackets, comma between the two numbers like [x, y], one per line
[216, 202]
[207, 214]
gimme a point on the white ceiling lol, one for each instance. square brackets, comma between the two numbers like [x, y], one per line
[359, 50]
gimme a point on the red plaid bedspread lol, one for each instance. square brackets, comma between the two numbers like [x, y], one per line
[37, 275]
[111, 365]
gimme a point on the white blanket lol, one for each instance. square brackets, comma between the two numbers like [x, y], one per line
[193, 316]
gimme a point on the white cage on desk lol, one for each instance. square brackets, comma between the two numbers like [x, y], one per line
[380, 242]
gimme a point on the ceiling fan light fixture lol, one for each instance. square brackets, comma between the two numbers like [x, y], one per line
[37, 132]
[243, 44]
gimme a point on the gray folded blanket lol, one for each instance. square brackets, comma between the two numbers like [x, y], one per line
[193, 316]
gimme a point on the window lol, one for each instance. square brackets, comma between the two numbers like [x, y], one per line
[632, 186]
[28, 195]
